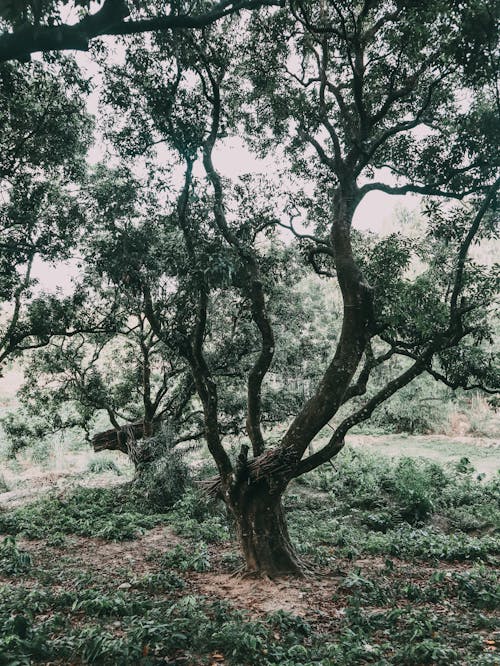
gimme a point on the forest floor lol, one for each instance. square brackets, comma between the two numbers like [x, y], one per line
[402, 560]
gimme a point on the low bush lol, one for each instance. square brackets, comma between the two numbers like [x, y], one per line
[101, 464]
[4, 486]
[161, 481]
[13, 560]
[195, 559]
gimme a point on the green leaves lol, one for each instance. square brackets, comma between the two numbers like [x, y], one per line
[44, 134]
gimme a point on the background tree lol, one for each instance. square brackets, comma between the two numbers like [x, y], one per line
[129, 375]
[44, 135]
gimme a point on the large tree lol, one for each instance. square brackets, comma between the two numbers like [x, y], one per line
[384, 96]
[356, 96]
[364, 97]
[372, 91]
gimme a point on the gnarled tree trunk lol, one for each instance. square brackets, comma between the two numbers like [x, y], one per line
[262, 530]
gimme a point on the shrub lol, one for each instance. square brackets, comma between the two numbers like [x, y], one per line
[414, 487]
[197, 559]
[13, 560]
[418, 409]
[164, 479]
[101, 464]
[4, 488]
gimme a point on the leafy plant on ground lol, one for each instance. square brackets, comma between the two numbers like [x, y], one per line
[163, 480]
[98, 512]
[101, 464]
[4, 486]
[13, 560]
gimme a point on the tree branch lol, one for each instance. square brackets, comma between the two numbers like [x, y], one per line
[255, 285]
[336, 442]
[109, 20]
[464, 248]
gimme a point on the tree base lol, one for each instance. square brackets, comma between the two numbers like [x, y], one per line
[263, 534]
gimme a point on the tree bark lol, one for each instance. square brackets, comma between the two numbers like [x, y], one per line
[262, 531]
[116, 440]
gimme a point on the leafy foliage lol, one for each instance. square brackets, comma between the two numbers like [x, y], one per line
[163, 480]
[96, 512]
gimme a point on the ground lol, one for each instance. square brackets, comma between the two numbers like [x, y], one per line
[399, 538]
[401, 562]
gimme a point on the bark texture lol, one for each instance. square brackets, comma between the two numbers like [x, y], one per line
[263, 532]
[117, 440]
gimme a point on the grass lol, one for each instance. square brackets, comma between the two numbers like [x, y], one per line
[484, 454]
[404, 553]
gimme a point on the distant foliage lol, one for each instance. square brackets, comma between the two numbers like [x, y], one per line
[379, 495]
[101, 464]
[163, 480]
[418, 409]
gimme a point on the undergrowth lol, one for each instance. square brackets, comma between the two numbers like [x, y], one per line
[381, 622]
[107, 513]
[426, 593]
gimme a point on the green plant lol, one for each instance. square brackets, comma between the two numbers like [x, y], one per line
[4, 486]
[14, 560]
[163, 480]
[101, 464]
[106, 513]
[195, 559]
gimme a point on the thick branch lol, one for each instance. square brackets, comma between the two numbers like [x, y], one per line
[109, 20]
[413, 188]
[336, 441]
[255, 284]
[356, 331]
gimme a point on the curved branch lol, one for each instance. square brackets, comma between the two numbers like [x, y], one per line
[109, 20]
[256, 289]
[336, 442]
[464, 248]
[371, 362]
[411, 188]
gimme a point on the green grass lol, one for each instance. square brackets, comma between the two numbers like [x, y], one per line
[485, 455]
[407, 551]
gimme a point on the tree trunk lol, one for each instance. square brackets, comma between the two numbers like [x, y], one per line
[263, 532]
[116, 440]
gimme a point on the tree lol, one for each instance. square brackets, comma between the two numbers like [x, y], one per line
[344, 88]
[120, 370]
[44, 136]
[129, 374]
